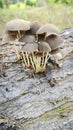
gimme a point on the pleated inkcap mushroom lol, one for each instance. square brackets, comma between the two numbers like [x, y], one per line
[34, 26]
[54, 41]
[47, 29]
[30, 47]
[34, 54]
[25, 52]
[16, 27]
[44, 47]
[27, 39]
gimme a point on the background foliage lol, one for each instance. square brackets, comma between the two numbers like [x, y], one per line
[58, 12]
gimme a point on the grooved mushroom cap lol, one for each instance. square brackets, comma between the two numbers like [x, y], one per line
[48, 29]
[54, 41]
[13, 32]
[30, 47]
[44, 46]
[18, 25]
[27, 39]
[34, 26]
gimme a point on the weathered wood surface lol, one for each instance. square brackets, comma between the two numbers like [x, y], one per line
[41, 102]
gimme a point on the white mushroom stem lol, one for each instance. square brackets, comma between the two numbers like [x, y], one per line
[37, 63]
[19, 34]
[46, 59]
[42, 59]
[24, 59]
[27, 58]
[32, 62]
[17, 52]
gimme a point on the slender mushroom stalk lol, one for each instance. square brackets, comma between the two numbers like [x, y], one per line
[39, 63]
[16, 28]
[31, 61]
[23, 55]
[17, 52]
[19, 34]
[46, 59]
[27, 58]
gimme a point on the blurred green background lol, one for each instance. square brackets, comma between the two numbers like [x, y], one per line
[58, 12]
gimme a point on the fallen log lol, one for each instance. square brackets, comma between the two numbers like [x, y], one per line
[40, 101]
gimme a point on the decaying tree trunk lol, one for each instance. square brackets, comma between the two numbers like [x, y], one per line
[40, 102]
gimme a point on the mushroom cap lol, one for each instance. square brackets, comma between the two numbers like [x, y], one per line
[27, 39]
[54, 41]
[30, 47]
[44, 46]
[34, 26]
[7, 38]
[55, 51]
[17, 25]
[48, 29]
[13, 32]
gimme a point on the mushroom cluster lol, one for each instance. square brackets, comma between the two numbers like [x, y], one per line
[40, 41]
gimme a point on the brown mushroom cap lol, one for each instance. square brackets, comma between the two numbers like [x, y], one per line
[30, 47]
[55, 51]
[44, 46]
[17, 25]
[27, 39]
[13, 32]
[34, 26]
[54, 41]
[48, 29]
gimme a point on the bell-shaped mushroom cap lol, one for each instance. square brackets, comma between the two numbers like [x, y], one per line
[27, 39]
[7, 38]
[44, 46]
[34, 26]
[17, 25]
[48, 29]
[54, 41]
[30, 47]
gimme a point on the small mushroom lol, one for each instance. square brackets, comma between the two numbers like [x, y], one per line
[54, 41]
[27, 39]
[26, 52]
[34, 26]
[47, 29]
[44, 47]
[30, 47]
[16, 27]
